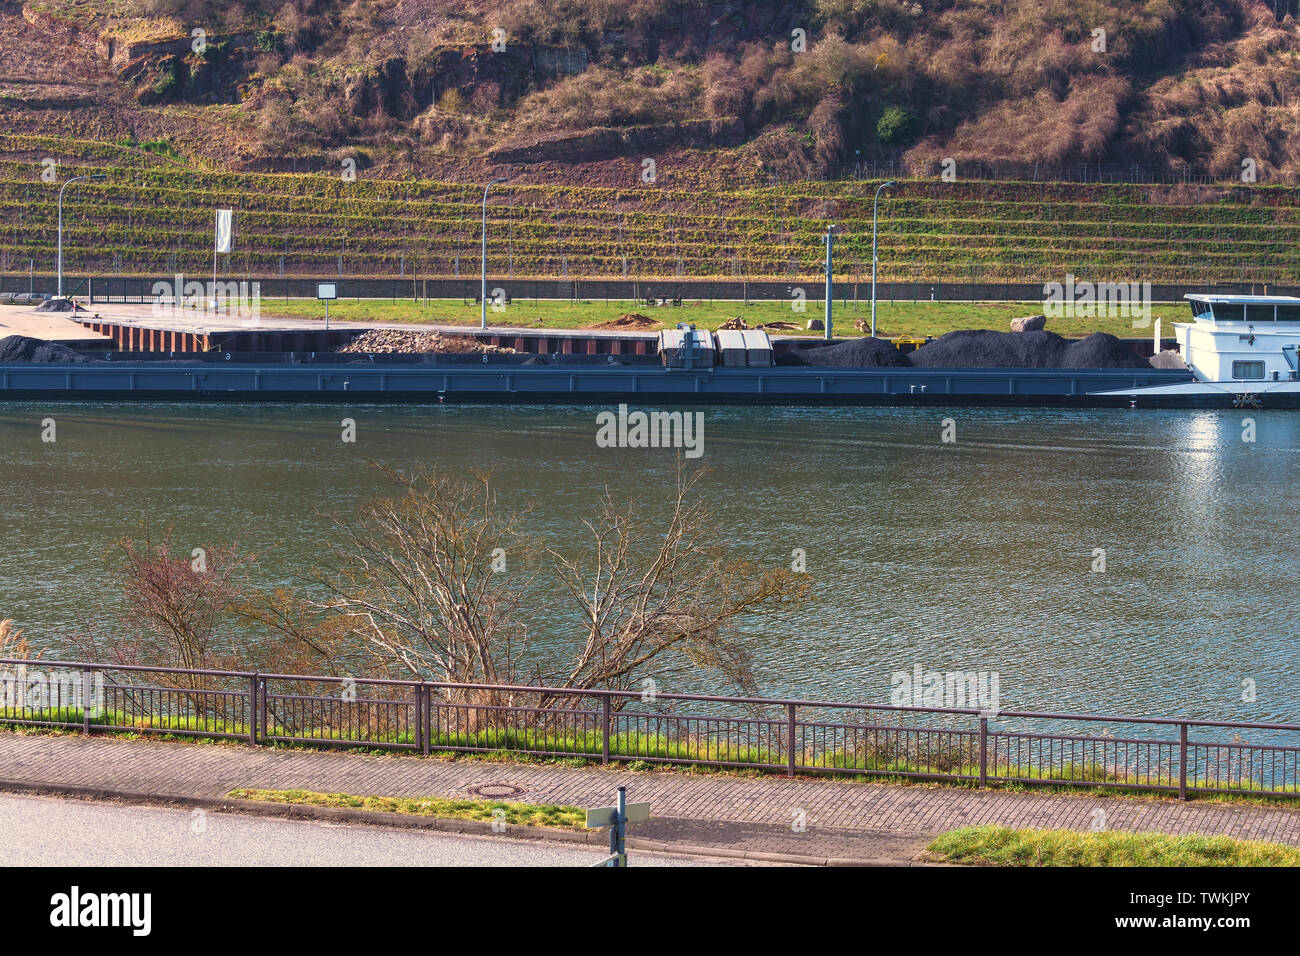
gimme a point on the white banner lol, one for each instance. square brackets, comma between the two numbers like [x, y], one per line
[225, 231]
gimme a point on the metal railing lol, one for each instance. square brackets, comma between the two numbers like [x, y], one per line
[788, 736]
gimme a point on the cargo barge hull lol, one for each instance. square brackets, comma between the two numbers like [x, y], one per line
[473, 383]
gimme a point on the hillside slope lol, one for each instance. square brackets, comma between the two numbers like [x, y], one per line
[766, 88]
[151, 215]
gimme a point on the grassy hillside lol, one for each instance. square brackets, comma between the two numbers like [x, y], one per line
[153, 215]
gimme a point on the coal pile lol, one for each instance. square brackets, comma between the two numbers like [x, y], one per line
[1102, 350]
[22, 348]
[987, 349]
[855, 353]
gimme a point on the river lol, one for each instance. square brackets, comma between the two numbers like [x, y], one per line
[978, 554]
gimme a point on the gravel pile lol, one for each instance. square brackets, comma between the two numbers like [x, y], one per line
[854, 353]
[1168, 358]
[21, 348]
[399, 342]
[60, 305]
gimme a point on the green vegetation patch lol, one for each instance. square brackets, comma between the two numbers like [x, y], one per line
[1003, 846]
[893, 318]
[519, 814]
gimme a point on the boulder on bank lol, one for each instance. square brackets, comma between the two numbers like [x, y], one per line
[22, 348]
[983, 348]
[816, 325]
[1030, 323]
[854, 353]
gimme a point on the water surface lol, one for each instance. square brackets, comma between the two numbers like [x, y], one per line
[974, 555]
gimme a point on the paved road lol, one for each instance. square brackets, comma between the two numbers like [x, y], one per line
[49, 831]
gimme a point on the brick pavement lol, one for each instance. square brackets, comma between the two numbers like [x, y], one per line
[860, 820]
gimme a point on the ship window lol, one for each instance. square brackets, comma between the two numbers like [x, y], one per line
[1259, 313]
[1229, 312]
[1288, 313]
[1201, 308]
[1248, 370]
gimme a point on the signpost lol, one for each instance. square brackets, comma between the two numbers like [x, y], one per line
[325, 291]
[617, 818]
[225, 244]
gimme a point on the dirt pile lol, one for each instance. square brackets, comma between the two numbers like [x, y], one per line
[629, 320]
[21, 348]
[398, 341]
[855, 353]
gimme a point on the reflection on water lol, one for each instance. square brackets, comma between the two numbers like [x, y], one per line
[967, 556]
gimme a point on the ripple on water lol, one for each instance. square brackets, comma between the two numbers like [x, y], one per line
[972, 556]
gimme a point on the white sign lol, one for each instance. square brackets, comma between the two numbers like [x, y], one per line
[327, 290]
[225, 232]
[608, 816]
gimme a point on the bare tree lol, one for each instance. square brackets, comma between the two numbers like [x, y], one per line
[644, 593]
[432, 580]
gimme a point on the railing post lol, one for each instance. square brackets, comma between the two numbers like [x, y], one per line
[789, 735]
[428, 719]
[85, 700]
[1182, 761]
[421, 727]
[604, 727]
[252, 709]
[984, 752]
[262, 708]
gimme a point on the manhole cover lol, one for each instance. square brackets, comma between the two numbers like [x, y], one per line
[497, 791]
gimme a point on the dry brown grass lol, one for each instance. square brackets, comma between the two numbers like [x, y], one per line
[13, 646]
[1196, 84]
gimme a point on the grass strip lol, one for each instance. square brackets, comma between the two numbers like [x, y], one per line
[519, 814]
[1003, 846]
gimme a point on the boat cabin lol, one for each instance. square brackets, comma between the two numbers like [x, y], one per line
[1241, 338]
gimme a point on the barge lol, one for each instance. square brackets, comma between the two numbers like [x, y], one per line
[240, 381]
[1239, 351]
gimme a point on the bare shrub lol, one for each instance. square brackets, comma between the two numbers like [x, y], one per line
[645, 591]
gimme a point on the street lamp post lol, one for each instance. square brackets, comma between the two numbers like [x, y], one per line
[830, 242]
[874, 258]
[75, 179]
[483, 293]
